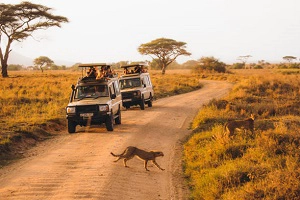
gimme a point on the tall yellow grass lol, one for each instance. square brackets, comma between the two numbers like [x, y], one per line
[33, 98]
[265, 165]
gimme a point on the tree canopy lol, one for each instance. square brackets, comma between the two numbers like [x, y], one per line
[289, 58]
[43, 61]
[19, 21]
[165, 50]
[244, 59]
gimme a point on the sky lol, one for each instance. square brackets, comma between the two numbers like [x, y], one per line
[112, 31]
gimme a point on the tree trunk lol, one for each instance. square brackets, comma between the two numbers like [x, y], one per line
[163, 68]
[4, 70]
[4, 59]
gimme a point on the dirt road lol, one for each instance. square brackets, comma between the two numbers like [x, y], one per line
[79, 166]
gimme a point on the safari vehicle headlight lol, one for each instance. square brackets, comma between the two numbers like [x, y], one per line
[137, 93]
[103, 108]
[71, 110]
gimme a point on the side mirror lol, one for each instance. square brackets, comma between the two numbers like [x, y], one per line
[113, 96]
[72, 93]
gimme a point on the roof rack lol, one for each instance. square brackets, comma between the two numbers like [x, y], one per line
[137, 69]
[133, 65]
[94, 65]
[130, 74]
[87, 79]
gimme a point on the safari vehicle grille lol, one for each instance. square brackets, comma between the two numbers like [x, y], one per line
[87, 109]
[127, 95]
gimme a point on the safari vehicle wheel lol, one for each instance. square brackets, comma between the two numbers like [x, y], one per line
[150, 101]
[142, 103]
[109, 123]
[71, 126]
[118, 119]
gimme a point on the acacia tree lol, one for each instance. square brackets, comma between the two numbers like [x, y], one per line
[165, 50]
[42, 61]
[244, 59]
[19, 21]
[289, 58]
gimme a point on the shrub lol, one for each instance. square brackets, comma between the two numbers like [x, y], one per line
[238, 66]
[210, 64]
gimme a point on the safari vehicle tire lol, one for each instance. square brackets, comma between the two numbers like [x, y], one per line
[118, 119]
[71, 126]
[127, 106]
[150, 101]
[109, 123]
[142, 103]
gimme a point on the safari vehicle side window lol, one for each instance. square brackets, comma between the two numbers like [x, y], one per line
[142, 81]
[111, 89]
[150, 83]
[117, 88]
[147, 81]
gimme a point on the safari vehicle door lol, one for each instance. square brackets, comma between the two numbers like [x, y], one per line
[115, 95]
[147, 86]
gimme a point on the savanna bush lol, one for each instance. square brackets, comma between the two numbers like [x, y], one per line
[210, 64]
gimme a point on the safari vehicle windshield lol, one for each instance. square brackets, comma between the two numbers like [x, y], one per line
[130, 83]
[91, 91]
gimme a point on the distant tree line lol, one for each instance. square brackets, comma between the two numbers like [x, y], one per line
[15, 67]
[204, 64]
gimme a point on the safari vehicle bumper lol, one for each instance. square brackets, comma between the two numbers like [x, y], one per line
[131, 98]
[83, 115]
[131, 102]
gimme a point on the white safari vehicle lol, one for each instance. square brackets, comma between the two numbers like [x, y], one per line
[136, 86]
[95, 99]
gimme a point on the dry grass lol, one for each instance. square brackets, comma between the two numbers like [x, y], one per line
[263, 166]
[260, 166]
[32, 104]
[174, 82]
[28, 98]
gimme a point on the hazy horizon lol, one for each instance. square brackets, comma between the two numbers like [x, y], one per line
[111, 31]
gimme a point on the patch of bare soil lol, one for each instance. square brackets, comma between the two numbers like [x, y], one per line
[20, 140]
[80, 166]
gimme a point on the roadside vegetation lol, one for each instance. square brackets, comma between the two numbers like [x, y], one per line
[32, 104]
[265, 165]
[260, 166]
